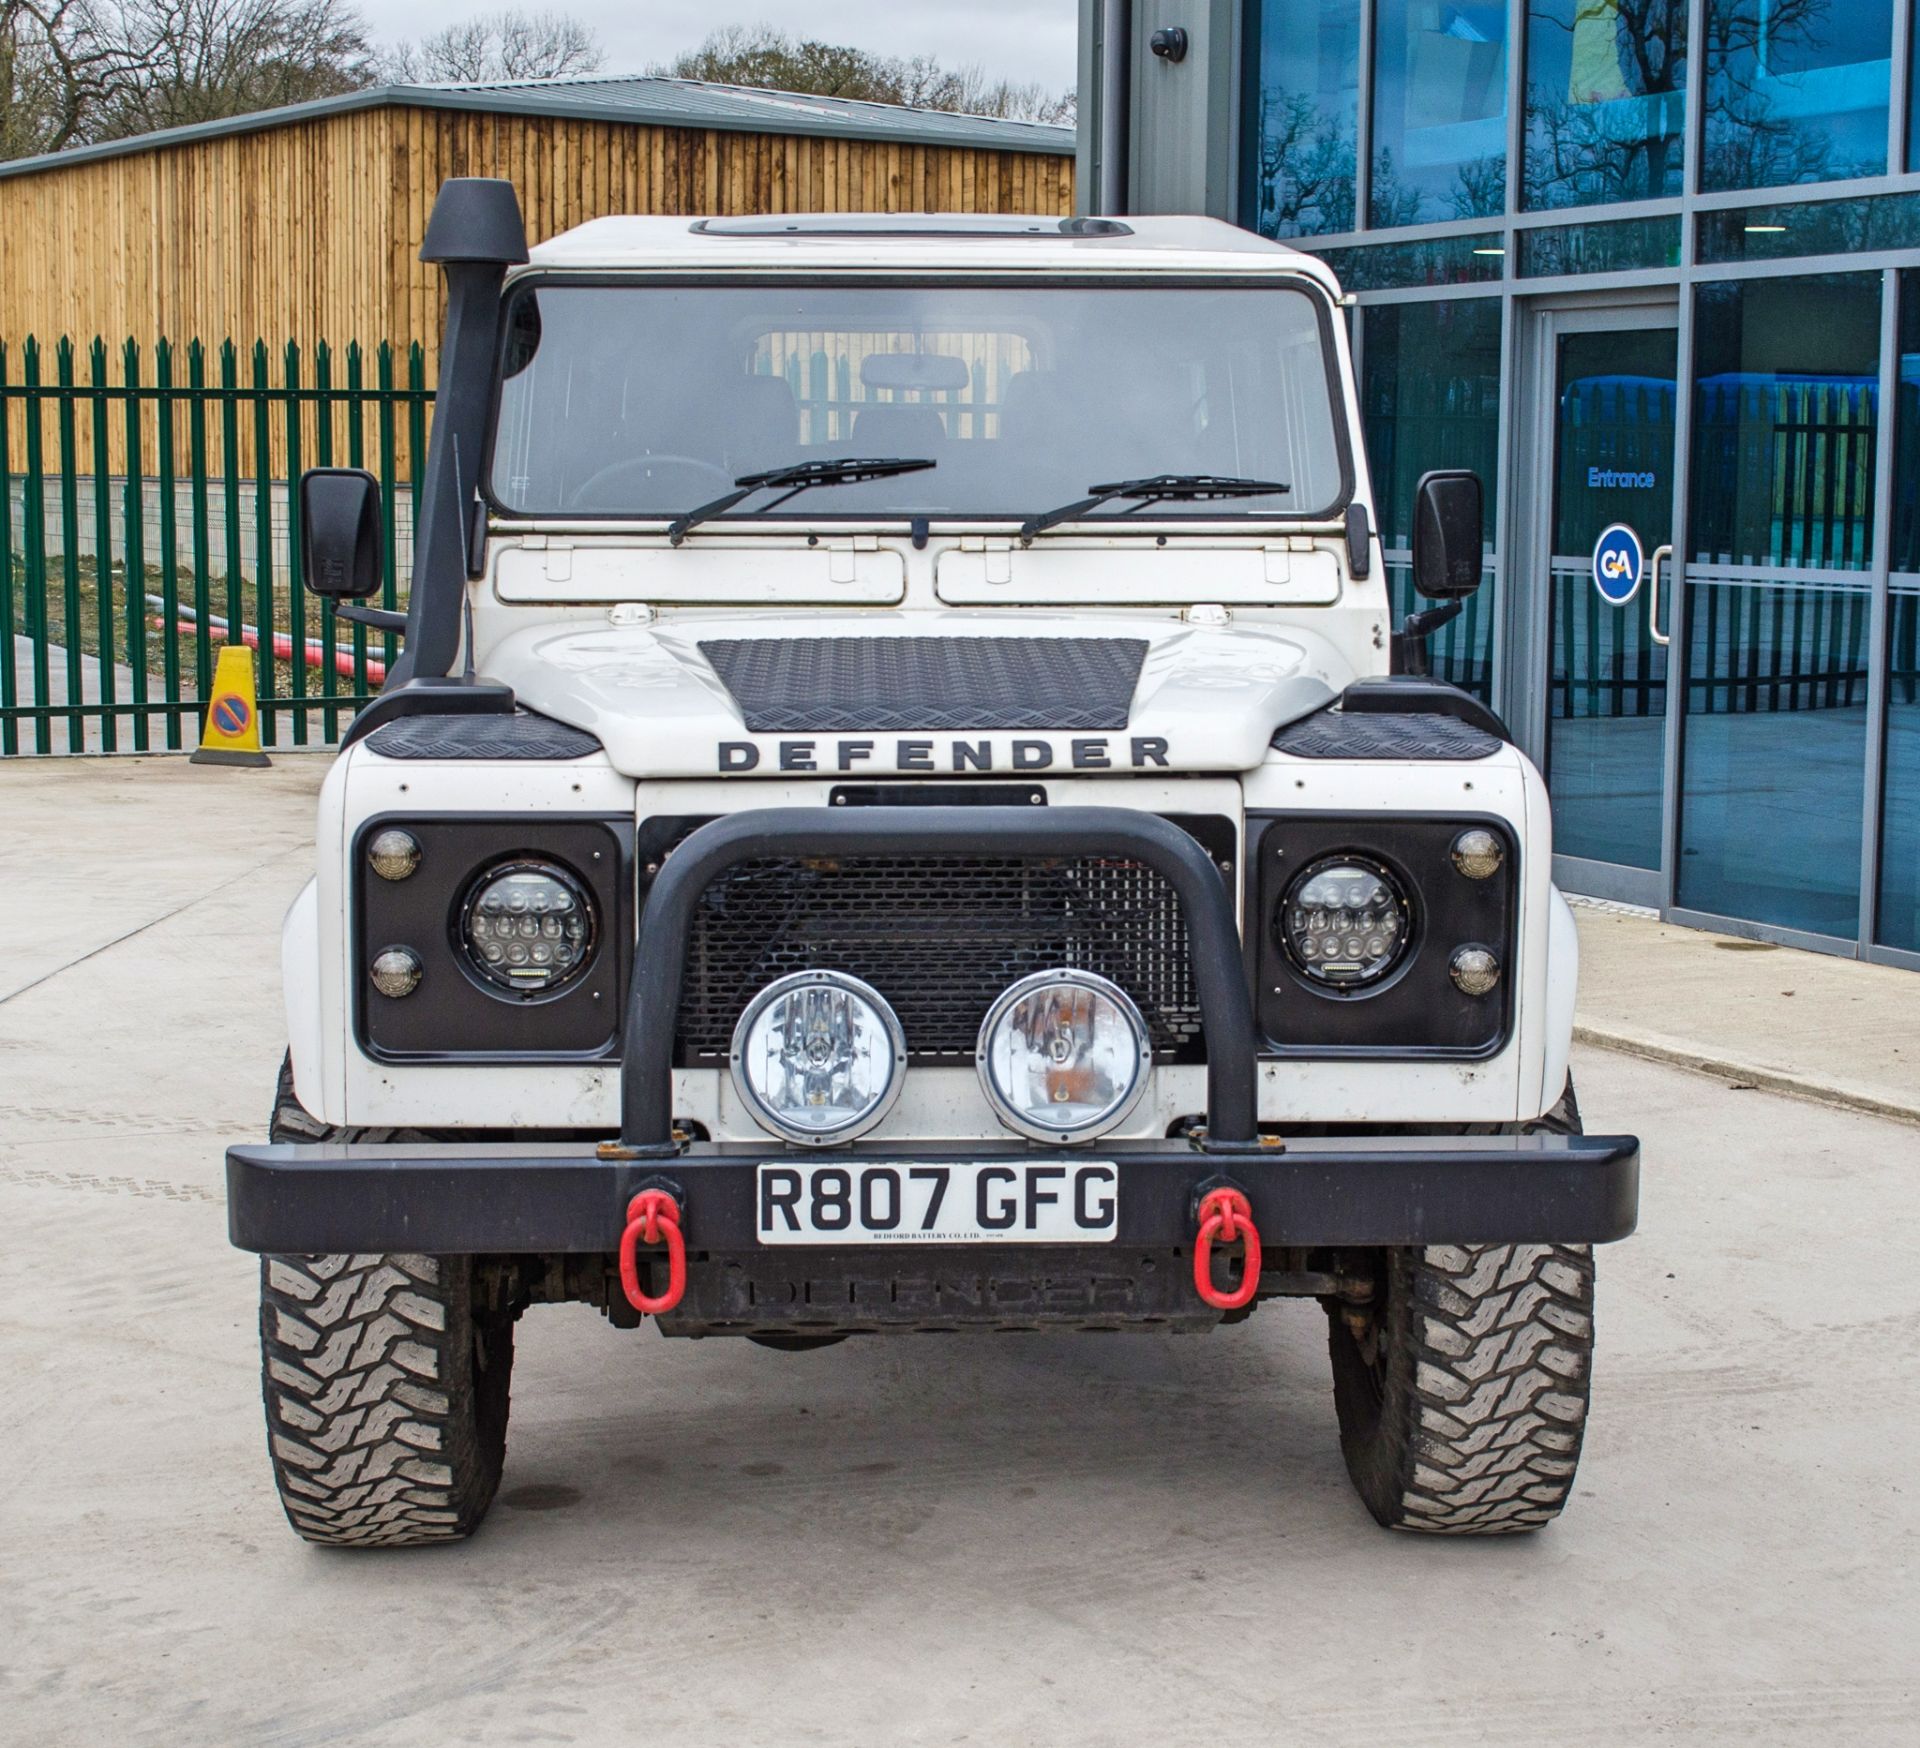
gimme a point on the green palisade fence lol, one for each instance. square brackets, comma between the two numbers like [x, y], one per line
[148, 516]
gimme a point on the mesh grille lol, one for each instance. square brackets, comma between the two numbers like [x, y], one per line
[940, 937]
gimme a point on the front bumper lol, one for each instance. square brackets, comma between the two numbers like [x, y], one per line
[511, 1199]
[528, 1199]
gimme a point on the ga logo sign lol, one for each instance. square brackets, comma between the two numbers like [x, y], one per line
[1617, 559]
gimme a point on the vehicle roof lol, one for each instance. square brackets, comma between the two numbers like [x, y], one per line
[947, 242]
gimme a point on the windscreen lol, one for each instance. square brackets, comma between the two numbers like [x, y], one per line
[647, 400]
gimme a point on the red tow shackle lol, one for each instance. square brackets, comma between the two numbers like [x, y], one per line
[653, 1217]
[1226, 1217]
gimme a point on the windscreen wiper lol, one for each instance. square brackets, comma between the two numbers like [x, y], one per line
[1161, 488]
[802, 476]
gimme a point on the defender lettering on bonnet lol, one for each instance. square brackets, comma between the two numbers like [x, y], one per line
[1081, 753]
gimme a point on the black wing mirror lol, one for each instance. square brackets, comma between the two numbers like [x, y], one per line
[1447, 534]
[343, 555]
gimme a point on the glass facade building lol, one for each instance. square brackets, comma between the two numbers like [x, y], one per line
[1653, 262]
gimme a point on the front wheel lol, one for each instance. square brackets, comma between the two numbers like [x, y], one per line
[1462, 1390]
[386, 1381]
[1462, 1386]
[386, 1397]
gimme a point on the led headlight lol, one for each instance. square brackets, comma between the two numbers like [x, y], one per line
[1063, 1056]
[527, 927]
[818, 1057]
[1344, 922]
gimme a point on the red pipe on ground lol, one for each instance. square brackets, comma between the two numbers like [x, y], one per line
[282, 643]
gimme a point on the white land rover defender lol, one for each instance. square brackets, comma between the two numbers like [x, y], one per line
[902, 809]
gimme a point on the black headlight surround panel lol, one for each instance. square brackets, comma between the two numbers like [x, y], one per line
[1415, 1012]
[452, 1016]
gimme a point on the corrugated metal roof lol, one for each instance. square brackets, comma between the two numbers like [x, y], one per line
[689, 103]
[638, 101]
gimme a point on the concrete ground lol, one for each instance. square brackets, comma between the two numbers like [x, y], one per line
[996, 1541]
[1751, 1012]
[83, 734]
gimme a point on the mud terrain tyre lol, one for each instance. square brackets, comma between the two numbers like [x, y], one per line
[1463, 1397]
[386, 1387]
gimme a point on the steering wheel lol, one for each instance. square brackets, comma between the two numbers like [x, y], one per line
[578, 497]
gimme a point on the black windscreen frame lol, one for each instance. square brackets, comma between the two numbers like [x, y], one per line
[1315, 293]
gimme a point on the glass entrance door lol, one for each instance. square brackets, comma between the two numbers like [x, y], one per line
[1602, 531]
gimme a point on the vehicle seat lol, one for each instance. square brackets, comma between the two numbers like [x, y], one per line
[762, 424]
[909, 432]
[1037, 416]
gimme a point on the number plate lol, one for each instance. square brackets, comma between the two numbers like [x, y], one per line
[899, 1202]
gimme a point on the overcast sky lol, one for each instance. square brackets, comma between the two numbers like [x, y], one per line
[1011, 39]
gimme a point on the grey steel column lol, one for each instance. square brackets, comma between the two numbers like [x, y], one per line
[1507, 616]
[1677, 596]
[1886, 435]
[1896, 110]
[1363, 120]
[1694, 146]
[1115, 65]
[1695, 139]
[1516, 120]
[1226, 158]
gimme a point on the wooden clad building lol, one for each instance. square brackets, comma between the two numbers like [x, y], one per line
[303, 224]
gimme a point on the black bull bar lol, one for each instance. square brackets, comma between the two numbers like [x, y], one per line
[462, 1197]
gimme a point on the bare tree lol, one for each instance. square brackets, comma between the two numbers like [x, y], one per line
[1576, 149]
[74, 71]
[1393, 200]
[1306, 176]
[1756, 145]
[1579, 152]
[1480, 188]
[923, 83]
[771, 59]
[190, 61]
[498, 45]
[57, 69]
